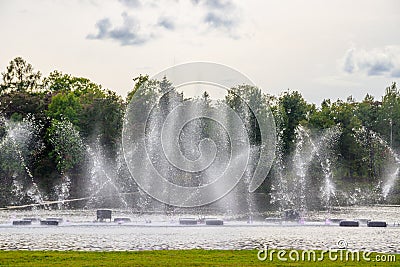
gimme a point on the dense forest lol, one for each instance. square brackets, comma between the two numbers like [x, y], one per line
[68, 112]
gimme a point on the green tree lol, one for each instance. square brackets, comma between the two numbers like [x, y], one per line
[368, 111]
[389, 116]
[57, 81]
[139, 81]
[293, 111]
[65, 105]
[22, 104]
[321, 118]
[89, 107]
[240, 99]
[67, 143]
[20, 76]
[351, 154]
[103, 119]
[147, 96]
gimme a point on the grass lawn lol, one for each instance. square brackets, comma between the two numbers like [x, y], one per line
[167, 258]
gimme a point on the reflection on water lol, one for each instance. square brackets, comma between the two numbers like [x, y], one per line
[79, 232]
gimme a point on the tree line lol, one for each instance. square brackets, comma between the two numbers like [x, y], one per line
[70, 108]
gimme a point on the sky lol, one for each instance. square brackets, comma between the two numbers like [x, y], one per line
[323, 49]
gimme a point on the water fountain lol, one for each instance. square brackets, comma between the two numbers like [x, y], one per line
[391, 176]
[326, 145]
[68, 146]
[199, 134]
[18, 144]
[238, 203]
[295, 186]
[195, 143]
[103, 186]
[303, 155]
[80, 231]
[62, 191]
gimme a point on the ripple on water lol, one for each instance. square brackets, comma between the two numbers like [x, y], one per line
[82, 234]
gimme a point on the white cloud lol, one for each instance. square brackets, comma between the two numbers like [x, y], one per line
[151, 20]
[127, 34]
[376, 62]
[131, 3]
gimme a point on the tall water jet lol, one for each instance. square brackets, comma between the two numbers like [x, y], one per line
[231, 203]
[104, 188]
[304, 152]
[392, 167]
[187, 122]
[391, 180]
[174, 151]
[62, 191]
[19, 143]
[328, 189]
[310, 181]
[279, 187]
[67, 147]
[254, 153]
[325, 147]
[241, 202]
[393, 175]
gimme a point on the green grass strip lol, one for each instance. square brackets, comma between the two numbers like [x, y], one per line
[172, 258]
